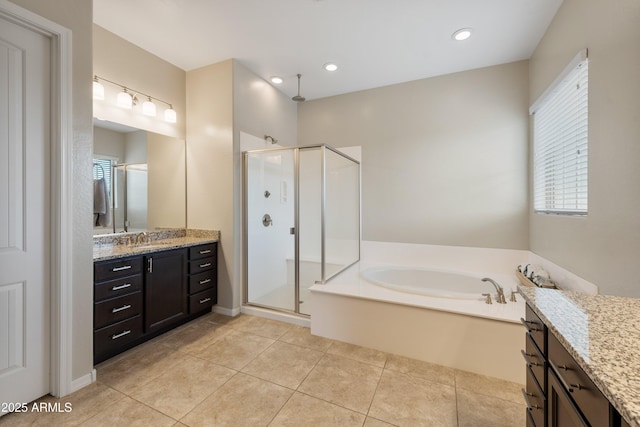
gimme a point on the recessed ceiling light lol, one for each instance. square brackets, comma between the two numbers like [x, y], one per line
[330, 66]
[276, 80]
[461, 34]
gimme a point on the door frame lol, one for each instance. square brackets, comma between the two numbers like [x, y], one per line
[61, 188]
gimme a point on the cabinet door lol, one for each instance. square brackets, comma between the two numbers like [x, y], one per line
[165, 289]
[562, 412]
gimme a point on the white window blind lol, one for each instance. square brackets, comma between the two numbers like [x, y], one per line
[102, 168]
[560, 143]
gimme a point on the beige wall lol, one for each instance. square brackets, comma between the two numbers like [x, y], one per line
[120, 61]
[210, 157]
[108, 142]
[604, 247]
[166, 160]
[77, 15]
[444, 159]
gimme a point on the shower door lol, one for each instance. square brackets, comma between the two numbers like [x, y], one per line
[270, 221]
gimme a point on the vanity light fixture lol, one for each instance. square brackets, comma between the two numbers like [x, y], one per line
[98, 89]
[149, 108]
[330, 66]
[128, 99]
[124, 99]
[276, 80]
[170, 115]
[461, 34]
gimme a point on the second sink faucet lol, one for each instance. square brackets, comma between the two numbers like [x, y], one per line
[500, 299]
[143, 237]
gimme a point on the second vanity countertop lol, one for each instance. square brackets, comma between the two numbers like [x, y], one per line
[602, 333]
[104, 248]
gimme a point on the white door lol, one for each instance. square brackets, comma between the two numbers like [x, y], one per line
[25, 74]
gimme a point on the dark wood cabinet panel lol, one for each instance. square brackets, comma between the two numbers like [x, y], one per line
[118, 287]
[200, 265]
[562, 411]
[111, 340]
[208, 250]
[109, 270]
[202, 281]
[202, 300]
[535, 399]
[592, 403]
[117, 309]
[537, 329]
[165, 288]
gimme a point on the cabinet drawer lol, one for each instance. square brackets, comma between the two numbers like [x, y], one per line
[117, 287]
[592, 403]
[117, 309]
[202, 281]
[536, 329]
[535, 400]
[109, 270]
[201, 265]
[535, 361]
[203, 251]
[109, 339]
[203, 300]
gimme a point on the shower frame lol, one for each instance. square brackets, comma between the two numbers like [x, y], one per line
[125, 207]
[323, 226]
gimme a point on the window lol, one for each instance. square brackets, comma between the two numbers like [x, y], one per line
[102, 168]
[560, 136]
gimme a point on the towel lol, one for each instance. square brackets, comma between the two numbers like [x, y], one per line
[101, 208]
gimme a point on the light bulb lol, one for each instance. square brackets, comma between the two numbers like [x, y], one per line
[461, 34]
[170, 115]
[276, 80]
[98, 89]
[124, 100]
[330, 66]
[149, 108]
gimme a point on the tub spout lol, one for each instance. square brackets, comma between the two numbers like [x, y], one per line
[500, 297]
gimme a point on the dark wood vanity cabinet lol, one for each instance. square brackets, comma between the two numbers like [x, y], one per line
[118, 308]
[203, 277]
[535, 393]
[139, 297]
[558, 392]
[165, 289]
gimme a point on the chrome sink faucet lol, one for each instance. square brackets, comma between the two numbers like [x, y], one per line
[500, 297]
[143, 237]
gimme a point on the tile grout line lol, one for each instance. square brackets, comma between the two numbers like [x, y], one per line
[373, 396]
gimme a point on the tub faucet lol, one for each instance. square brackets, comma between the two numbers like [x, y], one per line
[500, 298]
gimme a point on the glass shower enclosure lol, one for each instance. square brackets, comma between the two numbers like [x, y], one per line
[301, 223]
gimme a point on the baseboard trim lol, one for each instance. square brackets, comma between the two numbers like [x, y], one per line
[83, 381]
[233, 312]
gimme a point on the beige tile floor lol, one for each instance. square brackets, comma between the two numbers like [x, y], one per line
[250, 371]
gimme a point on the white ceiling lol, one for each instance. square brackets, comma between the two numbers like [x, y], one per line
[374, 42]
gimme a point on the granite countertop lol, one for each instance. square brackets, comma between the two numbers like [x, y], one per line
[107, 247]
[603, 334]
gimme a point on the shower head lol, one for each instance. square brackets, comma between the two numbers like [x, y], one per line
[298, 98]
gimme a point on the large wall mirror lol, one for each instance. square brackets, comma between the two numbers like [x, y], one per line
[139, 180]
